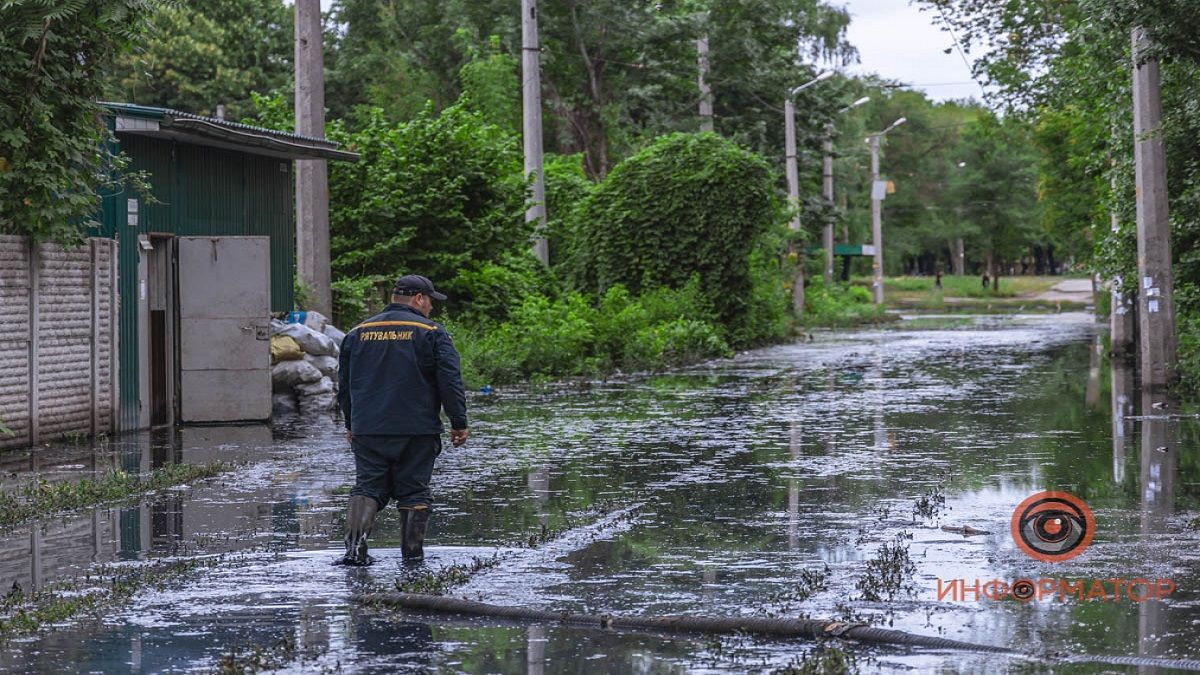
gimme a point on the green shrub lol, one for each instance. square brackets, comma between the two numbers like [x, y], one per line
[839, 305]
[688, 204]
[556, 337]
[357, 298]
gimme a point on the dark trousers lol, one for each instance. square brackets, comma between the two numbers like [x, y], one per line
[395, 467]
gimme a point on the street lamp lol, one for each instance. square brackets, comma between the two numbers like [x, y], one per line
[878, 191]
[827, 188]
[793, 178]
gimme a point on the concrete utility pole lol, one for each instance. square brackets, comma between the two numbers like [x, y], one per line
[876, 224]
[1156, 315]
[827, 193]
[531, 88]
[312, 177]
[706, 108]
[793, 179]
[877, 195]
[827, 189]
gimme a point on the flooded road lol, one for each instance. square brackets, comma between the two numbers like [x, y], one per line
[767, 485]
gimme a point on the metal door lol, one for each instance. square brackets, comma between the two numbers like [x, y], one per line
[224, 300]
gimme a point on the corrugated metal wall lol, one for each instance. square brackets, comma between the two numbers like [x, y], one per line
[199, 191]
[57, 342]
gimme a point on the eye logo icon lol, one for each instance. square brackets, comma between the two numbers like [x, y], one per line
[1053, 526]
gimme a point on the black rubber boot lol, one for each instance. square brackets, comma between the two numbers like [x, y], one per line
[413, 524]
[360, 517]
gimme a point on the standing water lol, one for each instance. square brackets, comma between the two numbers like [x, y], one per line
[851, 478]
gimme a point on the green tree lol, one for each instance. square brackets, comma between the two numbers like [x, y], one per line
[996, 189]
[200, 55]
[54, 147]
[442, 195]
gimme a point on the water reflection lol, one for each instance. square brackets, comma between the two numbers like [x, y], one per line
[1122, 408]
[1160, 450]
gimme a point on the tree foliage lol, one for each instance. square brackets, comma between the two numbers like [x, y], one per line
[54, 149]
[442, 195]
[202, 54]
[688, 204]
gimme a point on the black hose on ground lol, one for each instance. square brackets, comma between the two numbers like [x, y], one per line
[806, 628]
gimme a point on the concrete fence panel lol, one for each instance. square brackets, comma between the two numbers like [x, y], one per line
[57, 339]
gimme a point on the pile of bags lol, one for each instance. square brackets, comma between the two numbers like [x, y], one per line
[304, 363]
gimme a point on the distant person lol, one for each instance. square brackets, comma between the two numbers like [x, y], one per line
[938, 280]
[397, 371]
[986, 280]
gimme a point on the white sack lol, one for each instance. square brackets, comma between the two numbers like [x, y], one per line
[287, 374]
[312, 342]
[328, 365]
[322, 386]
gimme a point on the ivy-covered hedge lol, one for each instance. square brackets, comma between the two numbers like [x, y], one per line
[687, 204]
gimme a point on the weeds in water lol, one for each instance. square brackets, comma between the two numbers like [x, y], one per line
[821, 660]
[42, 498]
[889, 573]
[811, 582]
[930, 504]
[244, 659]
[437, 582]
[23, 613]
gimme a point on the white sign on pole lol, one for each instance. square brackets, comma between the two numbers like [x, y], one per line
[879, 190]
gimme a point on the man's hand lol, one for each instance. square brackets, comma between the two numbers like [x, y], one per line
[458, 437]
[349, 436]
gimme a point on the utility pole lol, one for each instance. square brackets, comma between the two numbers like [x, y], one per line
[827, 193]
[312, 177]
[706, 108]
[1120, 312]
[531, 88]
[827, 189]
[793, 181]
[1156, 311]
[876, 223]
[878, 192]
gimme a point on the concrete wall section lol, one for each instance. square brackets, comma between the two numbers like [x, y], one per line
[57, 339]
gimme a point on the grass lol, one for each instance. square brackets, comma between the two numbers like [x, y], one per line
[42, 498]
[967, 293]
[936, 323]
[437, 582]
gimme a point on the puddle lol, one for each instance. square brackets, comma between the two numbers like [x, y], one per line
[721, 489]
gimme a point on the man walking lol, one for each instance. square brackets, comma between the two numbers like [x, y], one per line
[397, 371]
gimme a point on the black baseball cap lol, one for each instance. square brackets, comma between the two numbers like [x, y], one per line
[411, 284]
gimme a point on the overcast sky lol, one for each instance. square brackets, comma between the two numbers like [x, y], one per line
[897, 41]
[900, 42]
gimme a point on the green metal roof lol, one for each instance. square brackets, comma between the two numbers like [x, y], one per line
[184, 126]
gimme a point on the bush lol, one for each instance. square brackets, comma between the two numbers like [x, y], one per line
[567, 336]
[688, 204]
[839, 305]
[357, 298]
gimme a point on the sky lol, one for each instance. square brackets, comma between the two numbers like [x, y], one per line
[900, 42]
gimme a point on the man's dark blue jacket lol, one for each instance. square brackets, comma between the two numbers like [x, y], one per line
[396, 370]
